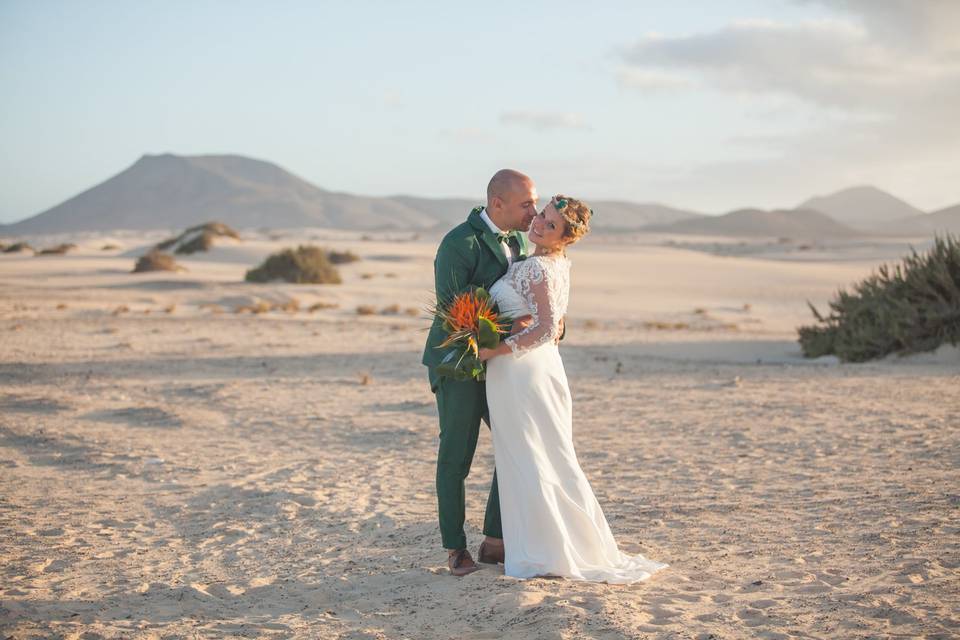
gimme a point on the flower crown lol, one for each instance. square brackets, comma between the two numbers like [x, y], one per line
[559, 204]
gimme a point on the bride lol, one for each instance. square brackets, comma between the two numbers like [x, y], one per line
[552, 523]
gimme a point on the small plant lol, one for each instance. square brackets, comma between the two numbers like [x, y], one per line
[342, 257]
[317, 306]
[17, 247]
[909, 307]
[306, 264]
[413, 312]
[156, 261]
[58, 250]
[121, 309]
[110, 247]
[198, 238]
[366, 310]
[391, 310]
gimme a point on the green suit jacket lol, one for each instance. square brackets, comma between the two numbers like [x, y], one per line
[470, 255]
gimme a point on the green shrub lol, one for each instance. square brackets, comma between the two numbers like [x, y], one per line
[912, 306]
[304, 265]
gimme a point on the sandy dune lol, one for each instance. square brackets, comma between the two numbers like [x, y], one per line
[172, 468]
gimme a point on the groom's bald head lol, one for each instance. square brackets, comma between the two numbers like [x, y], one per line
[505, 182]
[511, 200]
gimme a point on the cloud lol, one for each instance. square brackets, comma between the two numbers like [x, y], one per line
[651, 80]
[544, 120]
[881, 80]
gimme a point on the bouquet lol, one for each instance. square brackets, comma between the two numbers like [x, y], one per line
[471, 323]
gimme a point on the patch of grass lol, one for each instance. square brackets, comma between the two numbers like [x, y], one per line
[306, 264]
[366, 310]
[413, 312]
[156, 261]
[317, 306]
[58, 250]
[390, 310]
[908, 307]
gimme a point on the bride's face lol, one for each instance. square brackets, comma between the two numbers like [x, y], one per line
[547, 229]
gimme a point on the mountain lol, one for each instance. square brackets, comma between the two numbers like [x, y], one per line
[170, 192]
[175, 192]
[865, 208]
[796, 223]
[947, 219]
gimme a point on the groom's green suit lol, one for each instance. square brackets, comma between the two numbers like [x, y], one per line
[470, 255]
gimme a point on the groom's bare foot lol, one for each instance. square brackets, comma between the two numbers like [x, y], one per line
[491, 551]
[460, 562]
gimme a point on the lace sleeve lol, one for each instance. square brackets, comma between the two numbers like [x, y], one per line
[539, 288]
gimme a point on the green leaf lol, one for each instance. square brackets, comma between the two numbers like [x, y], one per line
[488, 336]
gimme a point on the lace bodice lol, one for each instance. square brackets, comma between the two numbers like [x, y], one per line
[539, 287]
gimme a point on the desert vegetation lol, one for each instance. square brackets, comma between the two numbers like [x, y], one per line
[342, 257]
[58, 250]
[156, 260]
[17, 247]
[908, 307]
[198, 238]
[307, 264]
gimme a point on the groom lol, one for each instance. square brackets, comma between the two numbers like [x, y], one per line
[475, 253]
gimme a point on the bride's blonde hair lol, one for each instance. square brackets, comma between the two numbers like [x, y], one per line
[576, 214]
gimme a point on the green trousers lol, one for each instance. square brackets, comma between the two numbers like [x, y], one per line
[462, 405]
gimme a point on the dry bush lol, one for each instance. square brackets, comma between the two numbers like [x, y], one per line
[156, 261]
[591, 324]
[291, 306]
[304, 265]
[170, 308]
[412, 311]
[366, 310]
[17, 247]
[390, 275]
[110, 247]
[121, 309]
[199, 238]
[390, 310]
[700, 311]
[61, 306]
[366, 379]
[366, 276]
[58, 250]
[317, 306]
[666, 326]
[342, 257]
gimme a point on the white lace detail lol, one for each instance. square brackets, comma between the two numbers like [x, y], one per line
[544, 284]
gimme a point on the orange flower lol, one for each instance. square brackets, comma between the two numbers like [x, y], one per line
[466, 310]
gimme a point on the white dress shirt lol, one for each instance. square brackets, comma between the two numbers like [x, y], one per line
[497, 231]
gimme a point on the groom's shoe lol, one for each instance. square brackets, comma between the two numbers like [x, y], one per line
[489, 554]
[461, 563]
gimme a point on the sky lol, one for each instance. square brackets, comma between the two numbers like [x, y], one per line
[707, 105]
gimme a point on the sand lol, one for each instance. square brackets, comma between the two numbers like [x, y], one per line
[171, 468]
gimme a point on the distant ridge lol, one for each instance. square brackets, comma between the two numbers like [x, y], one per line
[940, 221]
[795, 223]
[171, 192]
[864, 207]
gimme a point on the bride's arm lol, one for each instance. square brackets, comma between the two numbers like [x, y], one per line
[544, 326]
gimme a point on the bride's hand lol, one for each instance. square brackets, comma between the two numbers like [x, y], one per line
[502, 349]
[520, 324]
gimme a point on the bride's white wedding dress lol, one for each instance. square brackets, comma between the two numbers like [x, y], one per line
[552, 523]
